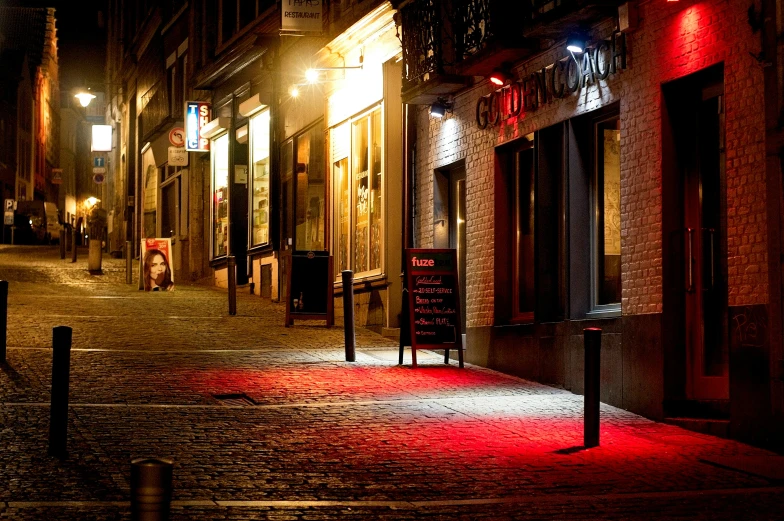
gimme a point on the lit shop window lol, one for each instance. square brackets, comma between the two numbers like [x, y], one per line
[311, 195]
[220, 195]
[260, 179]
[357, 177]
[607, 226]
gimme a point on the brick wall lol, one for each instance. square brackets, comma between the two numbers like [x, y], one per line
[673, 40]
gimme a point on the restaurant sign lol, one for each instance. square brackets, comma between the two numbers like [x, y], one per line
[301, 16]
[558, 80]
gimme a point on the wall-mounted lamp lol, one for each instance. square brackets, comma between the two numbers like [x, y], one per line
[439, 108]
[576, 42]
[499, 77]
[312, 75]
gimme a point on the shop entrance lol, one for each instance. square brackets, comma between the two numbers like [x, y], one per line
[695, 201]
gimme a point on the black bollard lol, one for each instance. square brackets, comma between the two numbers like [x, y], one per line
[62, 243]
[73, 245]
[232, 285]
[128, 263]
[3, 318]
[151, 489]
[592, 338]
[58, 412]
[348, 314]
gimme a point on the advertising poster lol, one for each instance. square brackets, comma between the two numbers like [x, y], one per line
[156, 267]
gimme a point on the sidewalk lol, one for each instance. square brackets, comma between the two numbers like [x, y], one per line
[268, 422]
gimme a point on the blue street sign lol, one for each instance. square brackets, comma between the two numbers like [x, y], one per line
[99, 162]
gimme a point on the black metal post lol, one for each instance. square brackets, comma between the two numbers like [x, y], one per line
[128, 263]
[3, 318]
[151, 489]
[232, 267]
[73, 245]
[58, 413]
[592, 338]
[348, 314]
[62, 243]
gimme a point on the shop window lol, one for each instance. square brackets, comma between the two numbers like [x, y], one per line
[260, 179]
[357, 173]
[311, 191]
[606, 265]
[523, 249]
[220, 195]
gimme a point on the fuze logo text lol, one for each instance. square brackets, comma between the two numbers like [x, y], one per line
[429, 263]
[555, 81]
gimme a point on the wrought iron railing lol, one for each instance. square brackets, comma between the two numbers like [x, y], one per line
[422, 40]
[156, 108]
[473, 26]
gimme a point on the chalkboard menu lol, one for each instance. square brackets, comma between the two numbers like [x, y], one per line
[310, 287]
[434, 301]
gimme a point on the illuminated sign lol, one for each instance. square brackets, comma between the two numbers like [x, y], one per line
[558, 80]
[197, 114]
[102, 138]
[301, 16]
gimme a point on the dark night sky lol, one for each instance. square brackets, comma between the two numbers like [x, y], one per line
[81, 38]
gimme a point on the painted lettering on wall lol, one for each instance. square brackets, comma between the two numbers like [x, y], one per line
[558, 80]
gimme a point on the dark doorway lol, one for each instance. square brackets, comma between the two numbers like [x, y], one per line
[695, 245]
[449, 216]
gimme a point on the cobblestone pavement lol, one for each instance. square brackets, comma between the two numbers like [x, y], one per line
[268, 422]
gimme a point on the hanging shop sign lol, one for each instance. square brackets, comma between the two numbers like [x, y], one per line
[197, 114]
[556, 81]
[434, 301]
[301, 16]
[57, 176]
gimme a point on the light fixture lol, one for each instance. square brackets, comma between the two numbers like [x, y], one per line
[91, 201]
[439, 108]
[575, 42]
[499, 77]
[294, 92]
[84, 97]
[312, 75]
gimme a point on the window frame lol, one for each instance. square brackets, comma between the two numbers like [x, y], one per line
[527, 145]
[252, 129]
[612, 309]
[352, 199]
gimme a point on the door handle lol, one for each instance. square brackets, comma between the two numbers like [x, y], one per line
[690, 285]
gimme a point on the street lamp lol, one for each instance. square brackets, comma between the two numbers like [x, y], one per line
[84, 97]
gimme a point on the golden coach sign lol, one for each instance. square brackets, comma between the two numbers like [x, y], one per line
[555, 81]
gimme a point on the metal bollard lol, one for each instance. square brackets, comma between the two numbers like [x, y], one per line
[232, 285]
[3, 319]
[592, 337]
[128, 263]
[62, 243]
[73, 245]
[58, 412]
[348, 314]
[151, 489]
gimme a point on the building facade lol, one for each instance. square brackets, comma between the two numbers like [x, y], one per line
[621, 183]
[30, 104]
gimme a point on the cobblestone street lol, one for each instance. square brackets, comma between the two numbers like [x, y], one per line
[312, 437]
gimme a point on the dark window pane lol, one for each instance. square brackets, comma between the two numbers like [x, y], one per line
[524, 256]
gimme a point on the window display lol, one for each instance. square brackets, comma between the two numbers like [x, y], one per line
[220, 196]
[260, 179]
[358, 200]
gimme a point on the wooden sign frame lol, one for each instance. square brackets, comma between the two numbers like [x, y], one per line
[292, 314]
[435, 262]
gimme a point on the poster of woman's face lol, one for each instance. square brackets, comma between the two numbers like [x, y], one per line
[156, 267]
